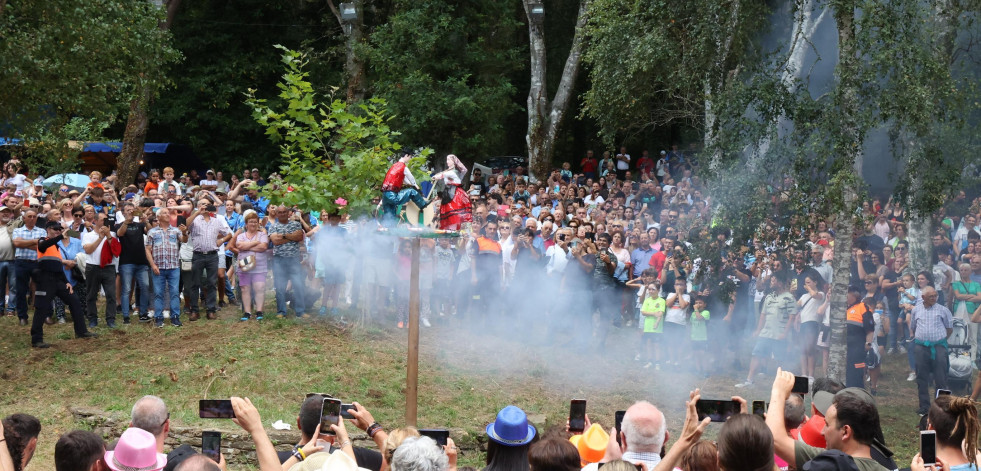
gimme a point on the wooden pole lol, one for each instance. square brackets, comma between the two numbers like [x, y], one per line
[412, 375]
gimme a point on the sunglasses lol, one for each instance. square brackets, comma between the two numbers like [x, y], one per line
[63, 190]
[56, 229]
[77, 215]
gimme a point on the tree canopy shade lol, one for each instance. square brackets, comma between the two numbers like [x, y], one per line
[66, 60]
[445, 69]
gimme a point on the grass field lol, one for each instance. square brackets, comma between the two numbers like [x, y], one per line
[466, 375]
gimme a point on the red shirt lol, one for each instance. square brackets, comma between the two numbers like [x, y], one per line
[657, 261]
[645, 164]
[588, 165]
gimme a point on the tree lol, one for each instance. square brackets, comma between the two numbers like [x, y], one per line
[654, 64]
[444, 68]
[71, 67]
[545, 115]
[150, 78]
[330, 149]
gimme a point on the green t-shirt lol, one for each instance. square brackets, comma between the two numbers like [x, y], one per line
[653, 311]
[699, 330]
[969, 287]
[778, 308]
[804, 453]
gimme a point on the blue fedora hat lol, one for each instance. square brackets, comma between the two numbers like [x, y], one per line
[511, 427]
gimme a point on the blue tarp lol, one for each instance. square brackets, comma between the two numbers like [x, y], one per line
[149, 147]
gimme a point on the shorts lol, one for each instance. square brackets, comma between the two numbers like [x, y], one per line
[765, 348]
[881, 341]
[249, 278]
[824, 337]
[699, 345]
[223, 262]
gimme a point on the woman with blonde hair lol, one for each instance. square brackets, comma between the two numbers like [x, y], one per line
[252, 266]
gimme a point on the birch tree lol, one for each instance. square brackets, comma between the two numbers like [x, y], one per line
[545, 115]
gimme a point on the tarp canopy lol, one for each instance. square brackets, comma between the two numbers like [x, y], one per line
[112, 147]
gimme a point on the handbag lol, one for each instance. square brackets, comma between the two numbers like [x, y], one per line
[186, 265]
[247, 263]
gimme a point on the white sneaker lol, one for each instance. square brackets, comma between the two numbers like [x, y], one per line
[637, 358]
[890, 351]
[902, 349]
[425, 323]
[745, 384]
[166, 314]
[648, 365]
[911, 377]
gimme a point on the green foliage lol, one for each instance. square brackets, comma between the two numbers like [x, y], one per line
[329, 149]
[64, 59]
[649, 62]
[445, 68]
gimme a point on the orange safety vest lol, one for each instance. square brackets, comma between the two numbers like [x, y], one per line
[855, 313]
[487, 246]
[51, 254]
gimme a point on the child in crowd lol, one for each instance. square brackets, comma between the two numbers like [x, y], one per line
[647, 278]
[908, 297]
[699, 336]
[95, 180]
[566, 172]
[653, 313]
[879, 348]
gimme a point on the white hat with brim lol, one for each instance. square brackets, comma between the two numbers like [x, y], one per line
[336, 461]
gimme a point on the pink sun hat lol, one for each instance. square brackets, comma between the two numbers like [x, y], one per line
[136, 451]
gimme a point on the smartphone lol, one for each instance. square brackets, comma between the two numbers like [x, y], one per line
[438, 434]
[942, 392]
[716, 410]
[928, 447]
[801, 385]
[330, 414]
[73, 233]
[345, 411]
[759, 408]
[211, 445]
[618, 420]
[215, 409]
[577, 416]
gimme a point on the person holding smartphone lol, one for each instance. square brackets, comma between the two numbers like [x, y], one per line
[955, 421]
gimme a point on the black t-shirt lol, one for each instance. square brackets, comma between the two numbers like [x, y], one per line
[133, 248]
[892, 294]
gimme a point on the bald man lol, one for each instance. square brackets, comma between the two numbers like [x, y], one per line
[643, 434]
[931, 325]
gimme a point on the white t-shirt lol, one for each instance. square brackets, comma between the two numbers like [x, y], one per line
[96, 256]
[675, 314]
[809, 308]
[557, 260]
[507, 245]
[20, 180]
[623, 164]
[593, 202]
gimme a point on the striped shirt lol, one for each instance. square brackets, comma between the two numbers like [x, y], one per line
[164, 246]
[930, 324]
[24, 233]
[204, 234]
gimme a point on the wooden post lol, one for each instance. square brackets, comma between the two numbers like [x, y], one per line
[412, 375]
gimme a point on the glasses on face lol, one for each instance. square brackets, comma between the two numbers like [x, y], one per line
[901, 249]
[78, 215]
[56, 229]
[64, 190]
[868, 282]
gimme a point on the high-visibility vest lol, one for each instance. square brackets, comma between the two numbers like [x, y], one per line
[487, 246]
[52, 253]
[855, 313]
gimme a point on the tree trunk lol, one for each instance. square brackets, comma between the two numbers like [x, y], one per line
[544, 116]
[849, 147]
[134, 137]
[353, 64]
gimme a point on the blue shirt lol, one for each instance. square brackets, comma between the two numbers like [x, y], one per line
[259, 204]
[930, 324]
[69, 252]
[641, 258]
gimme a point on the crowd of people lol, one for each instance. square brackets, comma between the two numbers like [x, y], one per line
[614, 244]
[842, 432]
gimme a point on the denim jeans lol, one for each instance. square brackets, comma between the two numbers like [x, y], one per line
[166, 293]
[286, 269]
[141, 273]
[24, 269]
[6, 274]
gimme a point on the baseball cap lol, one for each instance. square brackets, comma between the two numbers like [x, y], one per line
[664, 153]
[53, 225]
[822, 399]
